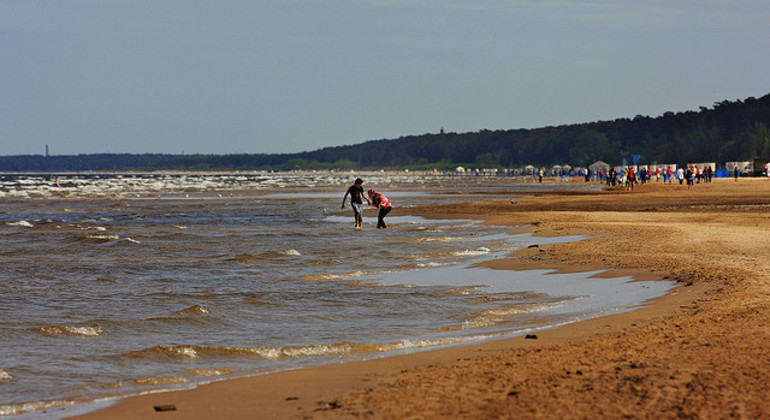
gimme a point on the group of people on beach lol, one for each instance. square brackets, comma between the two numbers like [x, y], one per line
[356, 192]
[628, 177]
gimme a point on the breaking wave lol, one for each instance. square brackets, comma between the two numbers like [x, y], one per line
[29, 407]
[193, 310]
[88, 331]
[291, 352]
[20, 223]
[159, 380]
[491, 317]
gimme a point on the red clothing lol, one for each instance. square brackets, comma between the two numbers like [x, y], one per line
[381, 201]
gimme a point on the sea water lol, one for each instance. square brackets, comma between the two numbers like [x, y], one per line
[119, 285]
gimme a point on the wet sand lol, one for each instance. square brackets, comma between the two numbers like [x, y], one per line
[698, 352]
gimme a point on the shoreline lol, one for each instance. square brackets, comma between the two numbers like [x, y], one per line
[294, 394]
[395, 386]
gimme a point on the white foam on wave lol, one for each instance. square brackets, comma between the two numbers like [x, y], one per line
[482, 250]
[430, 264]
[194, 309]
[439, 239]
[302, 351]
[97, 228]
[20, 223]
[345, 276]
[187, 352]
[290, 252]
[30, 407]
[497, 315]
[86, 331]
[113, 239]
[104, 237]
[4, 376]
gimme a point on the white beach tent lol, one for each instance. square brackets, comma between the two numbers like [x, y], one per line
[599, 165]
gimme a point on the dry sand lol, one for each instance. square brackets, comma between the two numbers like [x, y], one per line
[699, 352]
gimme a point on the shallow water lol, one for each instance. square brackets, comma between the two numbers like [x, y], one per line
[129, 284]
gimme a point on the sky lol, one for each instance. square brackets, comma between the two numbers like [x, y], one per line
[284, 76]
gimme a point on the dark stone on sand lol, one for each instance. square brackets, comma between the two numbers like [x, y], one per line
[531, 337]
[534, 246]
[167, 407]
[331, 405]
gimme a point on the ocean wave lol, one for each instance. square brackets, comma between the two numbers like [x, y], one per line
[164, 352]
[195, 309]
[415, 266]
[332, 277]
[438, 239]
[245, 258]
[209, 372]
[289, 352]
[482, 250]
[491, 317]
[330, 261]
[261, 352]
[96, 228]
[431, 264]
[119, 240]
[159, 380]
[31, 406]
[20, 223]
[421, 343]
[280, 254]
[87, 331]
[104, 237]
[471, 252]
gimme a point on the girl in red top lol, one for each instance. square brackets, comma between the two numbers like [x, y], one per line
[379, 200]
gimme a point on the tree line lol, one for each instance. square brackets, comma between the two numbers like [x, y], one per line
[727, 131]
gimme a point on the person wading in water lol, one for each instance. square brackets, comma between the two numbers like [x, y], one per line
[380, 201]
[356, 191]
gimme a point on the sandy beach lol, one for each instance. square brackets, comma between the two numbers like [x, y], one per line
[698, 352]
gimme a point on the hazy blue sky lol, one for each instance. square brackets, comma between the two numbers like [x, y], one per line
[194, 76]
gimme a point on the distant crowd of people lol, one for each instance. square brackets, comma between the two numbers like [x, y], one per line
[628, 177]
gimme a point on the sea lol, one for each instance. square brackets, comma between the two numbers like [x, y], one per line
[114, 285]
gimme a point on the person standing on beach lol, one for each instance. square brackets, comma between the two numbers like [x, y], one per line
[356, 191]
[380, 201]
[631, 179]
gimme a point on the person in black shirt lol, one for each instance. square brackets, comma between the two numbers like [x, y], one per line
[356, 192]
